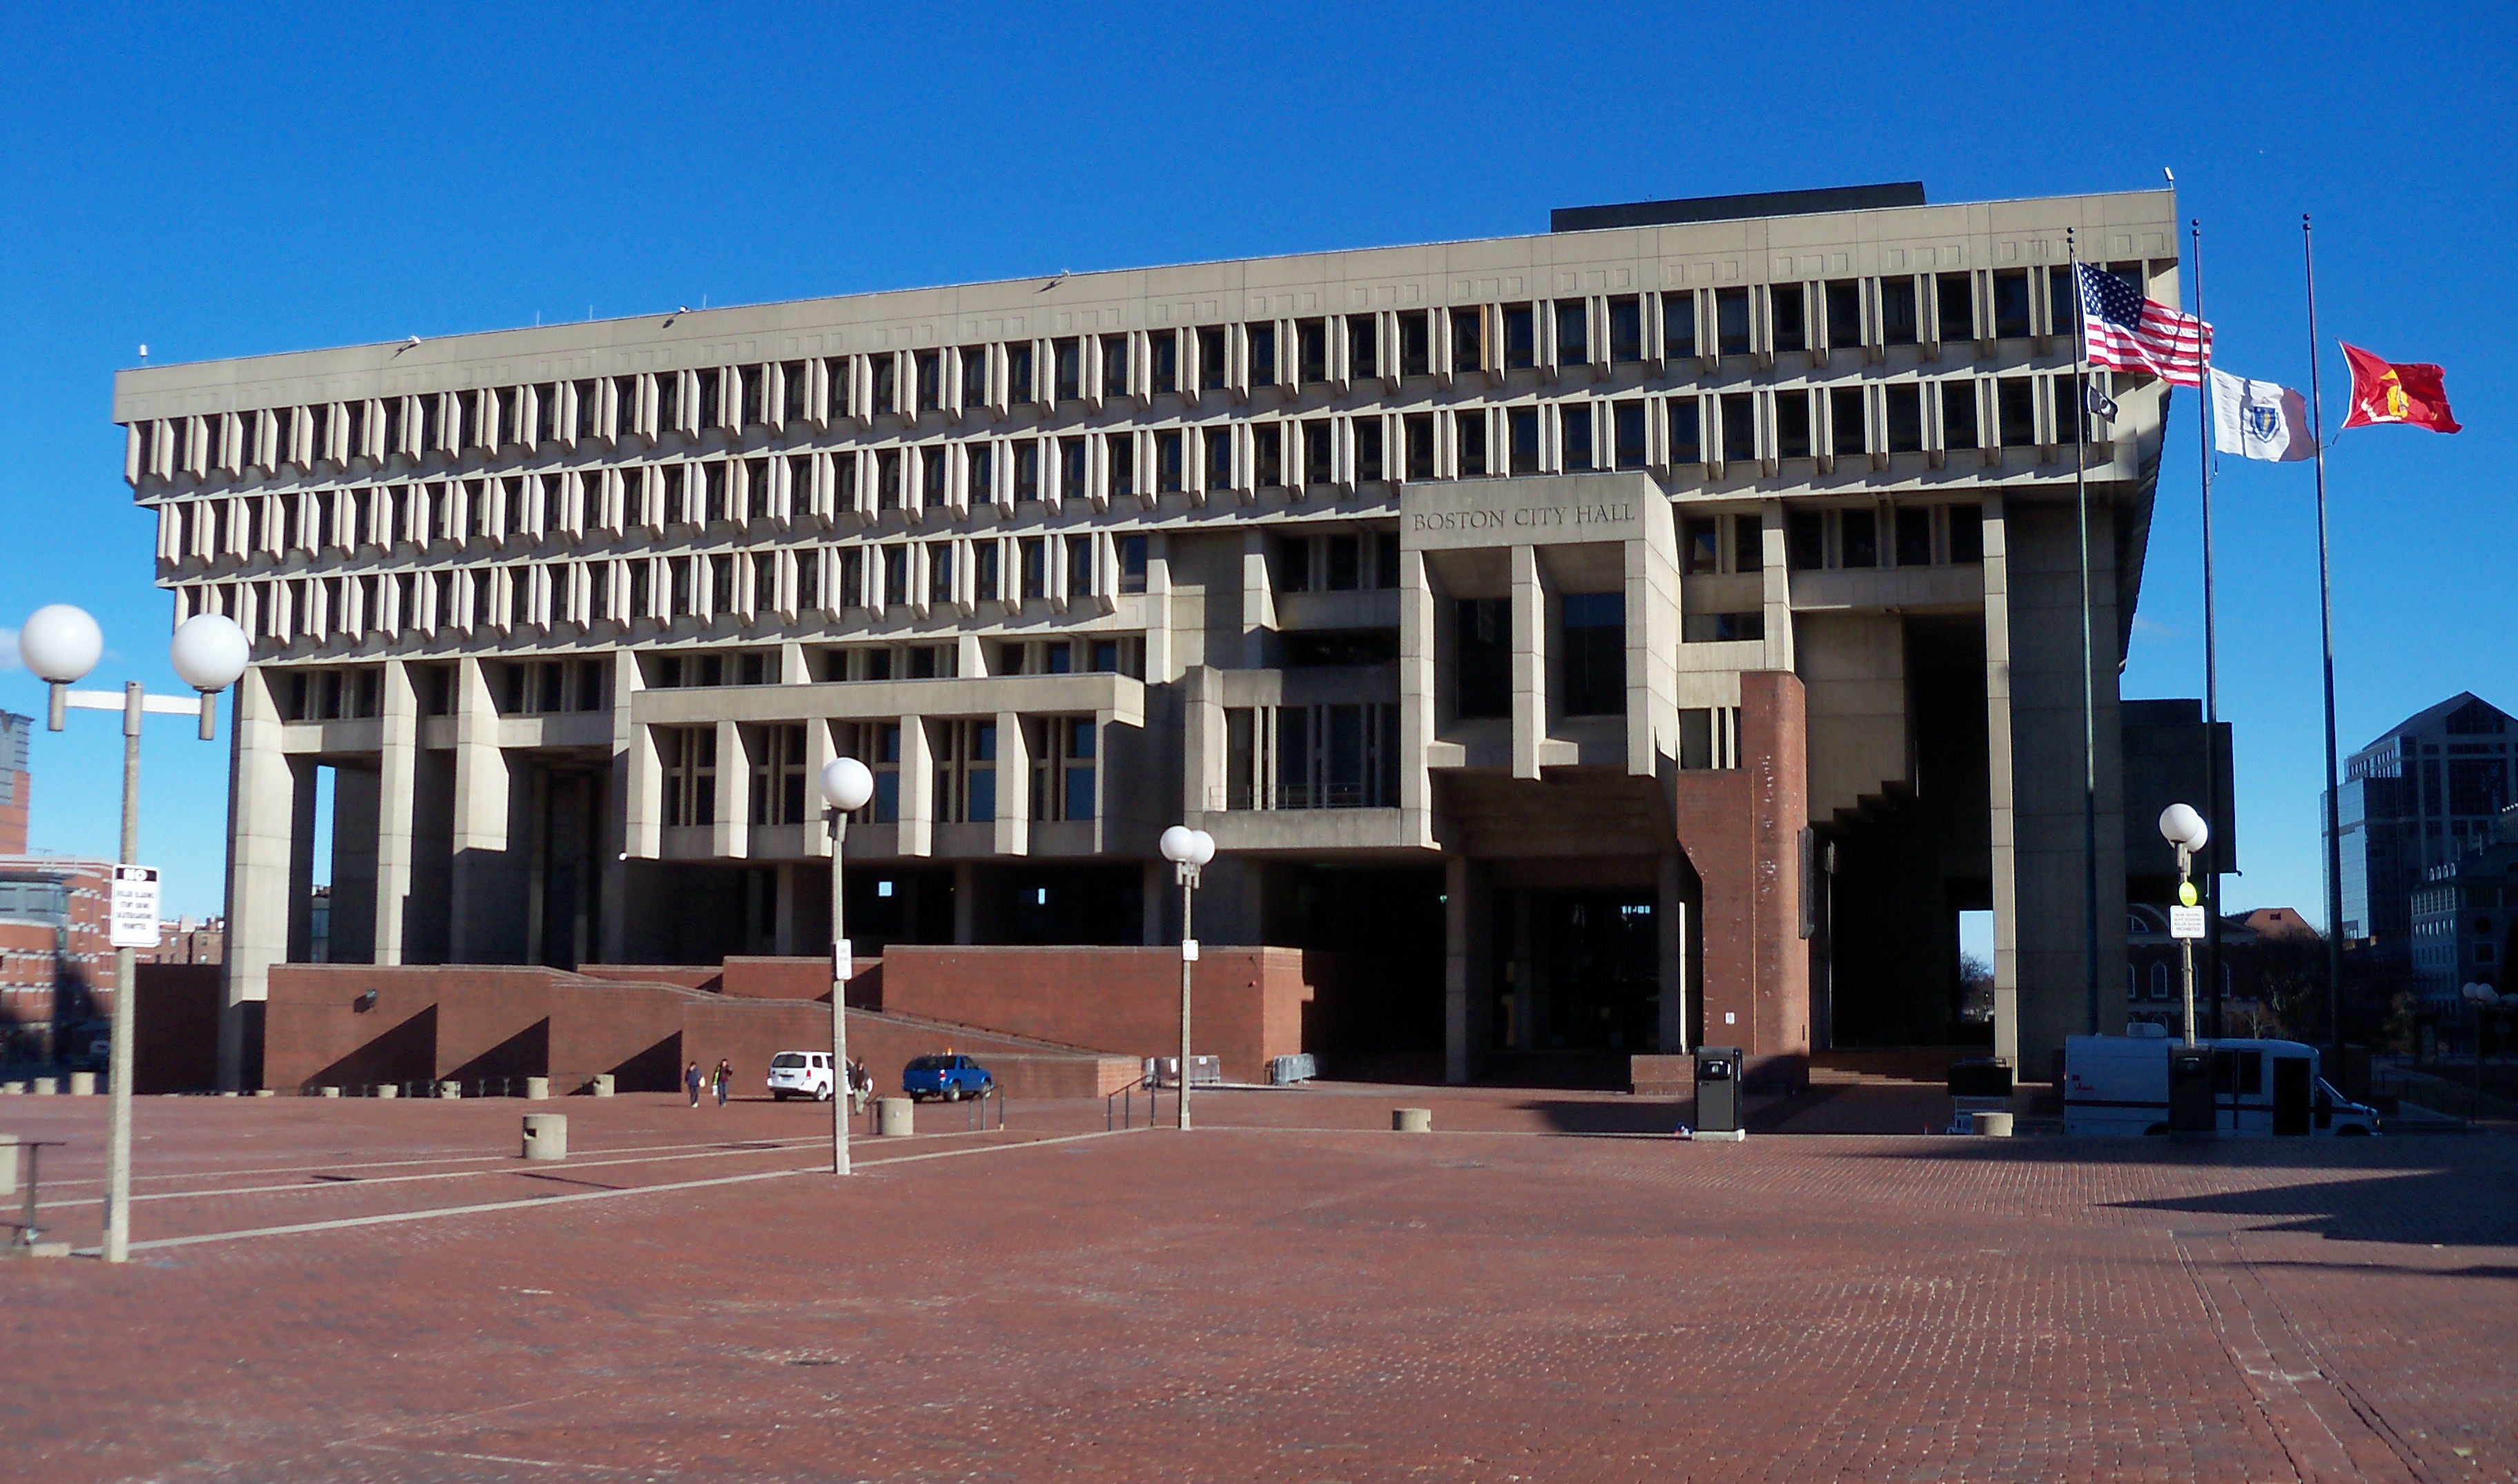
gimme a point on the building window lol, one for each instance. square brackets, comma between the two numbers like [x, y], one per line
[1018, 376]
[1898, 322]
[1260, 344]
[1319, 463]
[1026, 466]
[1312, 352]
[966, 772]
[1482, 657]
[1574, 435]
[1844, 421]
[690, 775]
[1327, 756]
[1686, 431]
[1418, 429]
[1843, 315]
[1905, 409]
[1731, 321]
[1806, 541]
[1572, 332]
[1268, 455]
[1061, 767]
[1788, 309]
[1955, 295]
[2015, 403]
[1858, 537]
[1468, 339]
[1708, 736]
[1967, 533]
[1739, 426]
[1958, 414]
[1679, 324]
[1167, 462]
[1629, 420]
[778, 774]
[2011, 304]
[1416, 343]
[1520, 337]
[1722, 628]
[1792, 425]
[1914, 536]
[1162, 361]
[1069, 359]
[974, 376]
[1469, 445]
[1524, 434]
[1594, 668]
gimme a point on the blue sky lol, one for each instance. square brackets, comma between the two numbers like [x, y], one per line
[221, 182]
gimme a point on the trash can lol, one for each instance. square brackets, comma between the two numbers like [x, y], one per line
[2190, 1090]
[1718, 1089]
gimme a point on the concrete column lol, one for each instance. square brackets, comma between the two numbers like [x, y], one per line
[635, 803]
[917, 789]
[1013, 829]
[1670, 929]
[1528, 662]
[1159, 659]
[730, 833]
[1258, 599]
[2003, 794]
[1457, 967]
[396, 765]
[261, 813]
[1417, 631]
[783, 930]
[538, 851]
[819, 752]
[966, 904]
[1777, 597]
[481, 809]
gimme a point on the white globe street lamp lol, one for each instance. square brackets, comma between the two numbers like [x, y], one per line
[1187, 850]
[846, 787]
[2181, 826]
[61, 644]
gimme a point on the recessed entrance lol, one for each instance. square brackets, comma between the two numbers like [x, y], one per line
[1592, 964]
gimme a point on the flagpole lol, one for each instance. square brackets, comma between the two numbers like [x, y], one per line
[2211, 665]
[2325, 624]
[2089, 673]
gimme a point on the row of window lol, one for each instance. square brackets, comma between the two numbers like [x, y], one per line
[1059, 571]
[1856, 536]
[1567, 437]
[963, 762]
[1601, 333]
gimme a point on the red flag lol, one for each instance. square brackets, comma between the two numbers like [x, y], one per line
[2384, 391]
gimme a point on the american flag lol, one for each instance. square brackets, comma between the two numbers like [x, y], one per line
[2128, 332]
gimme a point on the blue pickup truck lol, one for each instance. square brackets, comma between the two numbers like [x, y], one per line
[950, 1077]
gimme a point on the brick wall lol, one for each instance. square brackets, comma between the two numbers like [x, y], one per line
[1247, 1002]
[1741, 829]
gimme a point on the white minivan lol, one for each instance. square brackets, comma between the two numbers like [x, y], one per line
[2118, 1084]
[800, 1075]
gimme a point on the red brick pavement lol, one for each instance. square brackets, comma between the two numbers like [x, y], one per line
[1290, 1293]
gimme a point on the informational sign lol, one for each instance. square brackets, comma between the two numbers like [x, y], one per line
[844, 960]
[2185, 922]
[1189, 949]
[134, 923]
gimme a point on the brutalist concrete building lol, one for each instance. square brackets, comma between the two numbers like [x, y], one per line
[1654, 631]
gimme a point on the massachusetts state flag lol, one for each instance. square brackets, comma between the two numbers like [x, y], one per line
[2388, 391]
[2126, 331]
[2259, 420]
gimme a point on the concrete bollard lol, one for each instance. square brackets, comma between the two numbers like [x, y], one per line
[1992, 1125]
[537, 1089]
[327, 1092]
[388, 1090]
[13, 1089]
[266, 1092]
[1412, 1120]
[602, 1087]
[450, 1088]
[545, 1136]
[892, 1117]
[44, 1087]
[82, 1085]
[8, 1165]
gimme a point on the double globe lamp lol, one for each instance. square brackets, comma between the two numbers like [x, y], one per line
[59, 644]
[1187, 850]
[847, 786]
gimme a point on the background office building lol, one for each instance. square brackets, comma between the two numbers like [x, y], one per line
[1656, 629]
[2422, 797]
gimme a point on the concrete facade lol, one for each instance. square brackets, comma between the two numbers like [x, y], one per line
[1633, 636]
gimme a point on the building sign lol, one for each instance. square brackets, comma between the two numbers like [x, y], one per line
[1524, 513]
[134, 923]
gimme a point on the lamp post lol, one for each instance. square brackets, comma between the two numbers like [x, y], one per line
[59, 644]
[847, 785]
[1187, 850]
[2184, 829]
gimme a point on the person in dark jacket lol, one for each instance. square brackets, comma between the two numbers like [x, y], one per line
[724, 1080]
[691, 1082]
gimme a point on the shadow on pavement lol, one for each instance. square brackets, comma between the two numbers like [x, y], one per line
[2470, 1207]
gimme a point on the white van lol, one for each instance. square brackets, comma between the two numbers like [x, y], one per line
[801, 1074]
[2118, 1085]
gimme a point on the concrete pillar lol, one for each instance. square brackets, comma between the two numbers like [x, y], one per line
[539, 931]
[917, 789]
[634, 803]
[261, 813]
[1417, 631]
[730, 833]
[1258, 599]
[2003, 795]
[1528, 662]
[481, 810]
[1776, 594]
[396, 772]
[1458, 970]
[1012, 831]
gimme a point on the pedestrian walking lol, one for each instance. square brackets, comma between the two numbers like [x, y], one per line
[691, 1082]
[724, 1079]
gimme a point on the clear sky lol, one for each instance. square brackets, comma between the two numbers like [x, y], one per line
[228, 181]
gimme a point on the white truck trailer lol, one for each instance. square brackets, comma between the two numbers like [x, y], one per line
[2119, 1085]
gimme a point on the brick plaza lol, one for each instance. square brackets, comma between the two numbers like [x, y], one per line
[1541, 1289]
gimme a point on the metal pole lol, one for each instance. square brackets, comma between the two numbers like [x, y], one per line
[2185, 945]
[2211, 674]
[841, 969]
[2089, 670]
[2326, 630]
[118, 1141]
[1188, 896]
